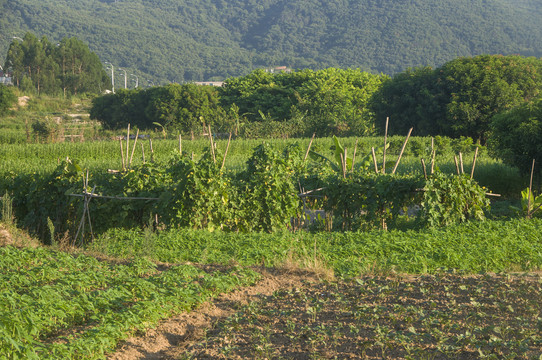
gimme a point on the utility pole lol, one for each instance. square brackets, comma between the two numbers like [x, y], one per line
[112, 76]
[137, 80]
[125, 78]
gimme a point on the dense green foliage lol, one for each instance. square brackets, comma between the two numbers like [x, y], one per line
[7, 99]
[198, 194]
[45, 293]
[516, 136]
[458, 98]
[453, 199]
[201, 194]
[364, 201]
[330, 101]
[322, 102]
[268, 185]
[37, 65]
[185, 108]
[172, 40]
[474, 246]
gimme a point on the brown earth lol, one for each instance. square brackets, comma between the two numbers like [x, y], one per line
[9, 235]
[297, 314]
[174, 335]
[292, 315]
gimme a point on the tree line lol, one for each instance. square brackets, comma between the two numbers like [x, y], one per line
[67, 68]
[460, 98]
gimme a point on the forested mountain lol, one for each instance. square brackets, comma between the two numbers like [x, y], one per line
[183, 40]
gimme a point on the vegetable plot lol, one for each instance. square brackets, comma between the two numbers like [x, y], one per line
[56, 305]
[442, 316]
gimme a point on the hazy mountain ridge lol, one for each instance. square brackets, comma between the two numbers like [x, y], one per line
[173, 40]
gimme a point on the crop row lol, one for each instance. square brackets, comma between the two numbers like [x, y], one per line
[105, 302]
[476, 246]
[263, 197]
[102, 155]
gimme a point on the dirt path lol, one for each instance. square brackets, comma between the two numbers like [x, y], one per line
[173, 335]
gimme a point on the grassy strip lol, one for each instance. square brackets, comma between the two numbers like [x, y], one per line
[108, 302]
[473, 247]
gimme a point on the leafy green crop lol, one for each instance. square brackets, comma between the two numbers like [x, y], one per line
[453, 199]
[44, 294]
[473, 246]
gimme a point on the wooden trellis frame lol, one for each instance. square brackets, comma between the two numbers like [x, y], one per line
[86, 211]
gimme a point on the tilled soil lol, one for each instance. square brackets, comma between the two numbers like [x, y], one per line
[170, 339]
[292, 315]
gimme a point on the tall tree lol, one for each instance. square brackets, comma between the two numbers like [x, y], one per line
[412, 98]
[460, 97]
[483, 86]
[14, 60]
[69, 65]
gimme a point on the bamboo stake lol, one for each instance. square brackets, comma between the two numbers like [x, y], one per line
[95, 196]
[385, 145]
[434, 154]
[457, 165]
[226, 153]
[374, 160]
[424, 169]
[530, 193]
[309, 148]
[474, 163]
[81, 228]
[354, 155]
[88, 212]
[122, 154]
[402, 150]
[345, 159]
[127, 144]
[212, 144]
[152, 151]
[133, 149]
[81, 225]
[461, 162]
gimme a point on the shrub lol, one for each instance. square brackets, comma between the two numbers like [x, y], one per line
[516, 135]
[451, 199]
[7, 99]
[270, 195]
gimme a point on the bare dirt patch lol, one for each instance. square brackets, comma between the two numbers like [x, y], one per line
[23, 101]
[11, 236]
[5, 237]
[170, 339]
[443, 316]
